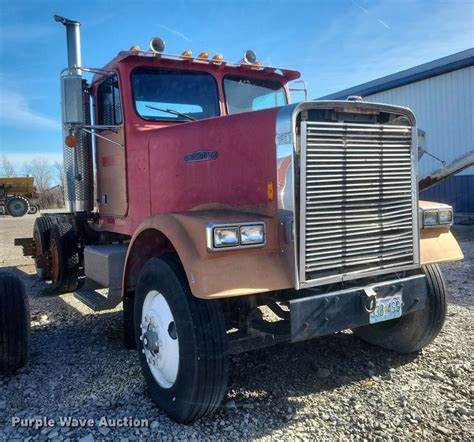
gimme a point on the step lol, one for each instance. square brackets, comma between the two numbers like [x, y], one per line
[97, 297]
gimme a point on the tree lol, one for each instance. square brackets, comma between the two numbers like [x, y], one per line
[6, 167]
[41, 170]
[58, 165]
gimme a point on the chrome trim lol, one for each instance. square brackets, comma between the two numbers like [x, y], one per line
[287, 150]
[210, 235]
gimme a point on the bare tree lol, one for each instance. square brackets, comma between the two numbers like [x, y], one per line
[58, 166]
[41, 170]
[6, 167]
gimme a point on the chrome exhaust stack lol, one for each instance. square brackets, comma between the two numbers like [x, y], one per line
[75, 104]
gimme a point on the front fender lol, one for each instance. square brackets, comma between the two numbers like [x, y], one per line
[210, 274]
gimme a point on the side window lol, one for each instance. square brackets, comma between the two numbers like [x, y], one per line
[108, 101]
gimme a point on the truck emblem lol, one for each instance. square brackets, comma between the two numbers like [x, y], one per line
[202, 155]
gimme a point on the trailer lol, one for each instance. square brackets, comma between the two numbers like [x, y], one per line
[18, 196]
[227, 219]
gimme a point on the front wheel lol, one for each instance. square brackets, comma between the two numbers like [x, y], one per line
[181, 342]
[411, 333]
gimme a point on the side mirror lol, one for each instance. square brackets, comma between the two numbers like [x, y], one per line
[72, 100]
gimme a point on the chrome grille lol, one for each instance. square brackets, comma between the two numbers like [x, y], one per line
[357, 199]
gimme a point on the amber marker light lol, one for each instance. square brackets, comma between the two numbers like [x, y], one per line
[71, 141]
[204, 55]
[135, 49]
[187, 53]
[218, 57]
[270, 190]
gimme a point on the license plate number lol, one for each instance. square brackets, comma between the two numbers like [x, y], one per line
[386, 309]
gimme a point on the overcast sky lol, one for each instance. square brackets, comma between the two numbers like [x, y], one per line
[335, 44]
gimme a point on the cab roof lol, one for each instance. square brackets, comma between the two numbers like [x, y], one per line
[176, 61]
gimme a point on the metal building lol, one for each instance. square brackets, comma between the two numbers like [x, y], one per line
[441, 94]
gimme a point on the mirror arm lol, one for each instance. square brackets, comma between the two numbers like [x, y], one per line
[92, 132]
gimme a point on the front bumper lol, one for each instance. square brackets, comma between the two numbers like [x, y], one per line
[320, 315]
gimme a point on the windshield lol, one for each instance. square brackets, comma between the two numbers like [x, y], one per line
[172, 95]
[249, 94]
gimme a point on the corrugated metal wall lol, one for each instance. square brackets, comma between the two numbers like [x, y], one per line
[444, 107]
[457, 191]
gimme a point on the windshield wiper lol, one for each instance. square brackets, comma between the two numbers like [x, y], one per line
[171, 111]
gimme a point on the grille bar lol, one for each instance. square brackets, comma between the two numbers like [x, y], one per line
[356, 206]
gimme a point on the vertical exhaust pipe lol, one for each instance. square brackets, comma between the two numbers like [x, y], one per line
[78, 164]
[73, 38]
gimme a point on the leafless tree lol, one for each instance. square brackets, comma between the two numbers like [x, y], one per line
[58, 166]
[40, 168]
[6, 167]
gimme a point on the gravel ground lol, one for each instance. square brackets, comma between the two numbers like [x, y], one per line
[333, 387]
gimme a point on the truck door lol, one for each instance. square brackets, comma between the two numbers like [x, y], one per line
[110, 157]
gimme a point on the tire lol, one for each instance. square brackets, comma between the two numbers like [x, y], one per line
[14, 324]
[41, 235]
[64, 259]
[413, 332]
[192, 379]
[18, 206]
[33, 209]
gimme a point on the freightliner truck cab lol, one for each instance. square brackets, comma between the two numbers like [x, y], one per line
[227, 219]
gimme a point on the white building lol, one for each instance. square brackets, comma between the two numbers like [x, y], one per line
[441, 94]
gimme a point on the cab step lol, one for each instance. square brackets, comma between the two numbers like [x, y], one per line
[98, 298]
[103, 268]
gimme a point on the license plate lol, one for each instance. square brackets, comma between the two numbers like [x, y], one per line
[386, 309]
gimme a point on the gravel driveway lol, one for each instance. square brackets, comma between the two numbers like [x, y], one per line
[333, 387]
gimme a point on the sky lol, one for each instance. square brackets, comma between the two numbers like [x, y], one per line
[334, 44]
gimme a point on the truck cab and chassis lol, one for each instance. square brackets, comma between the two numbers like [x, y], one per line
[227, 219]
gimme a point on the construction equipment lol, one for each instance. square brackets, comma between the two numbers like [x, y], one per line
[218, 200]
[18, 196]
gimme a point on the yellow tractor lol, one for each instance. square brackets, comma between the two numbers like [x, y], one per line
[18, 196]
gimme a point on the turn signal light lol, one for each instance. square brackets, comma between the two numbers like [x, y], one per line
[204, 55]
[187, 53]
[71, 141]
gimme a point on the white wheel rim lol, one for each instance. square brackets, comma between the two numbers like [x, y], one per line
[160, 339]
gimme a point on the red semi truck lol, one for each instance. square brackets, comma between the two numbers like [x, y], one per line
[227, 219]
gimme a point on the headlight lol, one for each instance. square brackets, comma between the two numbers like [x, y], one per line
[226, 236]
[430, 218]
[252, 234]
[446, 216]
[235, 235]
[434, 217]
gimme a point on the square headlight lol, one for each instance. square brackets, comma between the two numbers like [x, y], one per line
[430, 218]
[226, 237]
[445, 216]
[252, 234]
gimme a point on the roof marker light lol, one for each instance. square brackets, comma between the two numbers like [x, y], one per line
[157, 45]
[218, 57]
[135, 49]
[187, 53]
[204, 55]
